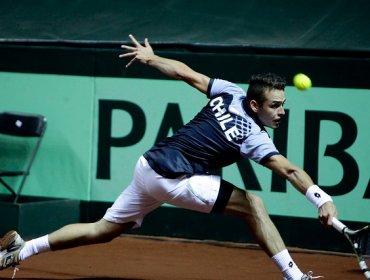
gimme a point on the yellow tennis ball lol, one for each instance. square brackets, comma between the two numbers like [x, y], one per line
[302, 82]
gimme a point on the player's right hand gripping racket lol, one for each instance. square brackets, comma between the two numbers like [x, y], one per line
[360, 242]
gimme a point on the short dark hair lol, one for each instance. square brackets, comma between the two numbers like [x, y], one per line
[260, 83]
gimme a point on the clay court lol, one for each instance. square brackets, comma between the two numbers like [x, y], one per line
[144, 258]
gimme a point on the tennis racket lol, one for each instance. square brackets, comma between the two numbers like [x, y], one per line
[360, 242]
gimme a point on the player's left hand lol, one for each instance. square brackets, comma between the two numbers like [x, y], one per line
[139, 52]
[327, 212]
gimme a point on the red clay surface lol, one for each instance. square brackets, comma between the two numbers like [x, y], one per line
[142, 258]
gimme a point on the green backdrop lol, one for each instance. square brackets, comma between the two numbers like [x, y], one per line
[98, 127]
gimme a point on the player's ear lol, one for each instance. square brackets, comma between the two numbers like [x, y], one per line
[254, 106]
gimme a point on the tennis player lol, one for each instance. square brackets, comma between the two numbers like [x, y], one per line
[230, 127]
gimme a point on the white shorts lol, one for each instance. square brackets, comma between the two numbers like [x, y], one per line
[149, 190]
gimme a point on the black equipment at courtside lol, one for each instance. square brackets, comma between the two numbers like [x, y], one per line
[21, 133]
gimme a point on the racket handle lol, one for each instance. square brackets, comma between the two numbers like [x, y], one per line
[338, 225]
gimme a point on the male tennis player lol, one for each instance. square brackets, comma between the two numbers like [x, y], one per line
[177, 170]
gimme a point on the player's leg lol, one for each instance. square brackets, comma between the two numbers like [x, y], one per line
[74, 235]
[127, 211]
[251, 209]
[15, 250]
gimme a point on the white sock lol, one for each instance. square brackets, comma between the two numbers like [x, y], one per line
[287, 266]
[33, 247]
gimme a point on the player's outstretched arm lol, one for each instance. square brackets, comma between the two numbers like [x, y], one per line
[304, 184]
[172, 68]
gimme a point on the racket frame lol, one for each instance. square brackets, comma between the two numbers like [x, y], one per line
[351, 236]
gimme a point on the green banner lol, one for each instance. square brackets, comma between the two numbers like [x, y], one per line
[98, 128]
[326, 132]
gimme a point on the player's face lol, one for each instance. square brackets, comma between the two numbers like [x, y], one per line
[272, 110]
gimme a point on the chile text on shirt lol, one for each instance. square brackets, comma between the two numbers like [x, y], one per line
[224, 117]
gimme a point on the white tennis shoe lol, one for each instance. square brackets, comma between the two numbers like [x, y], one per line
[10, 244]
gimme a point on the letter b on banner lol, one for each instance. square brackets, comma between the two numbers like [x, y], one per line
[105, 138]
[337, 150]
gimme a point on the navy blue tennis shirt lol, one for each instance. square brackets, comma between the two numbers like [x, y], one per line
[222, 133]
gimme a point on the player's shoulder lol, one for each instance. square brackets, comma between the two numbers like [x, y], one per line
[220, 86]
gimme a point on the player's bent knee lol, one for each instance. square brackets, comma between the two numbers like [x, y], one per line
[244, 204]
[255, 201]
[257, 205]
